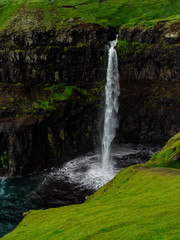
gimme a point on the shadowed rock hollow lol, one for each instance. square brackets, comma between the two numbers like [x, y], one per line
[52, 89]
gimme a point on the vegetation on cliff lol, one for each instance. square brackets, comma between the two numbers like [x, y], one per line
[169, 156]
[50, 14]
[139, 203]
[57, 94]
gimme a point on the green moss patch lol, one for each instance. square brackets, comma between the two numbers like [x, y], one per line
[3, 159]
[43, 99]
[125, 49]
[53, 96]
[139, 203]
[169, 156]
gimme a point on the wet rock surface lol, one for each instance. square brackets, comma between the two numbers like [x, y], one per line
[150, 84]
[37, 130]
[61, 186]
[37, 126]
[70, 55]
[162, 31]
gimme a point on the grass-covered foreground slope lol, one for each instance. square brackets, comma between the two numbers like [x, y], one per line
[139, 203]
[169, 156]
[48, 14]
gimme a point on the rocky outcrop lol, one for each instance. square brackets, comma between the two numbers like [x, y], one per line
[51, 84]
[163, 31]
[29, 145]
[149, 65]
[70, 55]
[169, 156]
[50, 90]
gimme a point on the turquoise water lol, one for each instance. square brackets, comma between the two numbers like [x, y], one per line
[16, 197]
[69, 184]
[36, 192]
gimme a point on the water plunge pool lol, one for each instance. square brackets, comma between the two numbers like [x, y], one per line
[68, 184]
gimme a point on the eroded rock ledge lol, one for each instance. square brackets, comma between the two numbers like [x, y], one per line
[149, 66]
[51, 85]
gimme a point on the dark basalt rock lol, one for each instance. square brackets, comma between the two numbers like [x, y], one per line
[28, 145]
[159, 33]
[150, 85]
[54, 56]
[29, 61]
[149, 101]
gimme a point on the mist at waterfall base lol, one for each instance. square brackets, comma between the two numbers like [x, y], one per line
[78, 178]
[69, 184]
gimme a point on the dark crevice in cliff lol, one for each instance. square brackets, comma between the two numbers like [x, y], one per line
[51, 85]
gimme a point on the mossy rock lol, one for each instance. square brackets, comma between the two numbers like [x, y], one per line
[139, 203]
[169, 156]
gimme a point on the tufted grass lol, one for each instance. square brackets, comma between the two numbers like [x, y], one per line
[139, 203]
[169, 156]
[50, 14]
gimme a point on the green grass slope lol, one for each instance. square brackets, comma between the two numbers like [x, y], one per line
[139, 203]
[169, 156]
[49, 14]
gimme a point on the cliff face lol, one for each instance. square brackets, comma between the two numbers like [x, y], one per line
[51, 85]
[149, 65]
[70, 55]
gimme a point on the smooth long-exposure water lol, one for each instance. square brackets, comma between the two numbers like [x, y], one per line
[112, 91]
[69, 184]
[78, 178]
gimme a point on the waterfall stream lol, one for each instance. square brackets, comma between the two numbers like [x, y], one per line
[112, 91]
[80, 177]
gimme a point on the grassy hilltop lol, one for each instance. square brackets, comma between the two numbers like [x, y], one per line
[140, 203]
[57, 14]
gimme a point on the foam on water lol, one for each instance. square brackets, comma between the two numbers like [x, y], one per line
[2, 184]
[93, 171]
[65, 185]
[87, 171]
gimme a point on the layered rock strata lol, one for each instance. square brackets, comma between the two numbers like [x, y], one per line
[51, 85]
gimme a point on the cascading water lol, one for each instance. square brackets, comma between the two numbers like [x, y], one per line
[112, 91]
[76, 179]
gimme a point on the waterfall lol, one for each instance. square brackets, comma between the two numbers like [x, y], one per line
[112, 91]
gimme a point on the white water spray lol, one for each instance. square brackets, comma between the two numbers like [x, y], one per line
[112, 91]
[93, 171]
